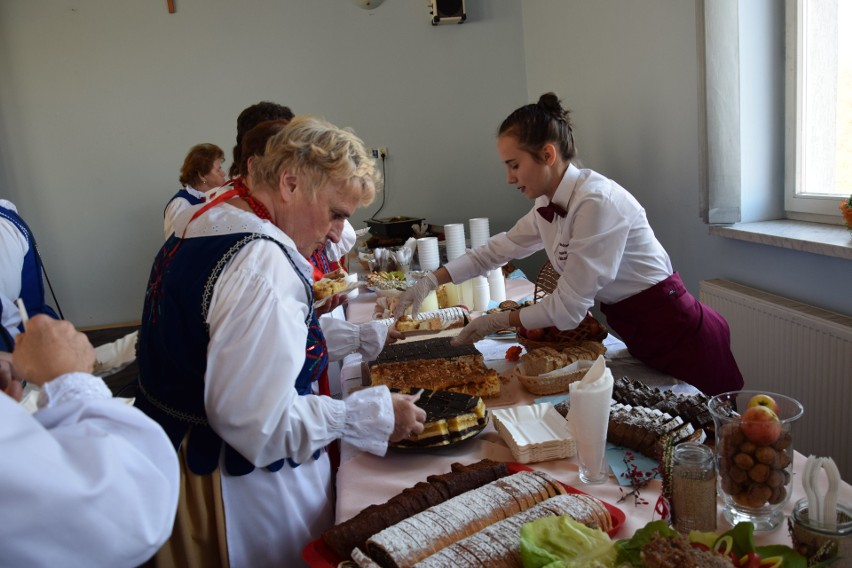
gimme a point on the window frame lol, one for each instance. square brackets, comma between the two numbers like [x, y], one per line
[798, 205]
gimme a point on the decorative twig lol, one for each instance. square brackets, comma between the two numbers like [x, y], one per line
[638, 480]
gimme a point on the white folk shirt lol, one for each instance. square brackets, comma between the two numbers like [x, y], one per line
[257, 336]
[13, 248]
[603, 249]
[88, 480]
[177, 205]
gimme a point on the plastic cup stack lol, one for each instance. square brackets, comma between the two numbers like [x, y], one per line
[427, 253]
[454, 237]
[479, 232]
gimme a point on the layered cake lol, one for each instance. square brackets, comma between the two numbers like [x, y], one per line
[435, 364]
[434, 348]
[450, 417]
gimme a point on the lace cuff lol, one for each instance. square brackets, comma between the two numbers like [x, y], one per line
[373, 335]
[72, 386]
[369, 419]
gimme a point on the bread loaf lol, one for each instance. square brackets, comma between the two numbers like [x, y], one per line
[417, 537]
[344, 537]
[498, 544]
[546, 359]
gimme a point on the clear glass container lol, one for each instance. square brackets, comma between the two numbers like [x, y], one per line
[693, 484]
[754, 459]
[811, 537]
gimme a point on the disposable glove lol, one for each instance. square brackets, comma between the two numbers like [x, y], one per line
[482, 326]
[415, 295]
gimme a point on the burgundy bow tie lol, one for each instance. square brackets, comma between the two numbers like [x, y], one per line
[550, 210]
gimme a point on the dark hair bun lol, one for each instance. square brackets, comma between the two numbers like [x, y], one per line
[549, 103]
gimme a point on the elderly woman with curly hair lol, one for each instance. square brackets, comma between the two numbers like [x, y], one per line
[201, 171]
[229, 348]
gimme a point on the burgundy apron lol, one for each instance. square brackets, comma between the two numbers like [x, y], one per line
[668, 329]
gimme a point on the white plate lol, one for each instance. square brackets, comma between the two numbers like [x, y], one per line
[349, 287]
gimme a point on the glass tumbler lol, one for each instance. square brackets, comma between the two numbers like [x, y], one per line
[754, 455]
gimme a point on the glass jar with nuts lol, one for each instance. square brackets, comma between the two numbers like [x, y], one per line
[754, 455]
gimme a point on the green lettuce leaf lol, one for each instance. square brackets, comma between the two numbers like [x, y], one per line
[562, 542]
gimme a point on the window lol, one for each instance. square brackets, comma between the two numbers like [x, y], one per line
[818, 157]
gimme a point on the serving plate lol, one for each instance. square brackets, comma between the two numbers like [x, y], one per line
[317, 554]
[446, 444]
[349, 288]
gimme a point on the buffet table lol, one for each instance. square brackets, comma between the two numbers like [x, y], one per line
[364, 479]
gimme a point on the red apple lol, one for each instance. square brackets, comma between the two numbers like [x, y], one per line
[760, 425]
[764, 400]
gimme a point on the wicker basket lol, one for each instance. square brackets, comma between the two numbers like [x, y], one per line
[590, 329]
[552, 384]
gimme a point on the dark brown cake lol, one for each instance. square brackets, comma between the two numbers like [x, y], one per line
[435, 348]
[346, 536]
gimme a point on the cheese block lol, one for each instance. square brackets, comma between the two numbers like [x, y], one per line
[450, 417]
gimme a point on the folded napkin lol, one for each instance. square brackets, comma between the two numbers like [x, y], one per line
[588, 417]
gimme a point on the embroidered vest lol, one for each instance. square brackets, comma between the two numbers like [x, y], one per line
[173, 341]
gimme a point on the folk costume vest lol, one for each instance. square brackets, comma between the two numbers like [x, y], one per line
[32, 283]
[184, 194]
[173, 343]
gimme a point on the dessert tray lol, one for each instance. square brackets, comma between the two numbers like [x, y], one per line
[535, 432]
[318, 555]
[452, 443]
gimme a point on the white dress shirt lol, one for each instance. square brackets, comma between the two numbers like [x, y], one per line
[87, 481]
[603, 249]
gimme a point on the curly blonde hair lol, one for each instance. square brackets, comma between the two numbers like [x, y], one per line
[321, 152]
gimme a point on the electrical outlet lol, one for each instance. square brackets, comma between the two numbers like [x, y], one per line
[383, 152]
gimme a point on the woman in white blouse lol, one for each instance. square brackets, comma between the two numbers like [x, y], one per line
[88, 480]
[201, 171]
[230, 347]
[598, 239]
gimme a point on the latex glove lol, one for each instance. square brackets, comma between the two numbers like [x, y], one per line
[482, 326]
[415, 295]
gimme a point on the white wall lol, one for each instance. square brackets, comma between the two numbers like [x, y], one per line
[629, 71]
[100, 101]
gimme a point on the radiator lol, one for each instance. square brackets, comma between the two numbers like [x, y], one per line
[798, 350]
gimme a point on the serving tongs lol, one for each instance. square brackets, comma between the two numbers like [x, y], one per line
[822, 507]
